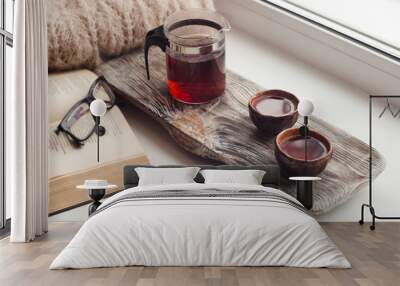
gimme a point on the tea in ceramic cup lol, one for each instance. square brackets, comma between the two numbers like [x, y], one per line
[297, 159]
[273, 110]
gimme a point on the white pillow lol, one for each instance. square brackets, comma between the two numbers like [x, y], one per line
[165, 176]
[247, 177]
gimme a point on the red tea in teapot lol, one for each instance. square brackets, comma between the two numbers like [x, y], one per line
[194, 43]
[196, 78]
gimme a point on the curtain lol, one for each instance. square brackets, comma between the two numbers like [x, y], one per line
[27, 124]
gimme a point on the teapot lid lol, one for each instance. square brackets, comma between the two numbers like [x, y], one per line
[195, 28]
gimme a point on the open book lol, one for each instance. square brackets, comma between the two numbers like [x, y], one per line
[70, 166]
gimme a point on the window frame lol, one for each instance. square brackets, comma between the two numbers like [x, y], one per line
[6, 39]
[337, 28]
[376, 73]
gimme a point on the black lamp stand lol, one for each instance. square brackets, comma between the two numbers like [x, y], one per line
[305, 187]
[304, 132]
[305, 193]
[100, 131]
[96, 195]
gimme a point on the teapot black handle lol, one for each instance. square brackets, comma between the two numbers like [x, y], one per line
[155, 37]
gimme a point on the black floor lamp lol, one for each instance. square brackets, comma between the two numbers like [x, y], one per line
[305, 109]
[305, 183]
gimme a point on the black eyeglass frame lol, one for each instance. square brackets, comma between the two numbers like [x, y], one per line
[62, 127]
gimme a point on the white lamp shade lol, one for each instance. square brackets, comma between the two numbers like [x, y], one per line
[98, 107]
[305, 107]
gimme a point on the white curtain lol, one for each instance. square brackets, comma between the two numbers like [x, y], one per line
[27, 124]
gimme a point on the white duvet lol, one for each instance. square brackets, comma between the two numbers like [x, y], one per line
[200, 231]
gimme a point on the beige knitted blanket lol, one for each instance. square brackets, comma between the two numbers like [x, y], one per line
[84, 33]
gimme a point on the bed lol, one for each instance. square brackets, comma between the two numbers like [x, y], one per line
[199, 224]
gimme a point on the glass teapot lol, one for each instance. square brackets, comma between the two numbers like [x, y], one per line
[194, 43]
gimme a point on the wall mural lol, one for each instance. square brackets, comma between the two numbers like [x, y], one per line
[177, 76]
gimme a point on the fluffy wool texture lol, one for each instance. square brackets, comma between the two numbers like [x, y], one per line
[84, 33]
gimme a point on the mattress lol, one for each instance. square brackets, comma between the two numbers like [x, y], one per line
[201, 225]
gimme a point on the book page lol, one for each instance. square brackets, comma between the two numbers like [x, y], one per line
[118, 143]
[67, 88]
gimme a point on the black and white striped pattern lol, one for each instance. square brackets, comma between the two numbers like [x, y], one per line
[205, 194]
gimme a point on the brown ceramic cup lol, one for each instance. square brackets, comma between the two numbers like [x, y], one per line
[291, 166]
[269, 123]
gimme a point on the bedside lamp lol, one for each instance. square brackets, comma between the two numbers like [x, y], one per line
[305, 109]
[98, 108]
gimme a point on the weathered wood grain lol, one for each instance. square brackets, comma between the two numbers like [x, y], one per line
[223, 131]
[374, 255]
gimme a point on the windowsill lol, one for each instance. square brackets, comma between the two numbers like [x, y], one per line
[355, 63]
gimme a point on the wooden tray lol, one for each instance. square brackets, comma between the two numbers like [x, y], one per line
[222, 130]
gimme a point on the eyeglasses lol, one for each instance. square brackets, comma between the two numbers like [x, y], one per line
[79, 123]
